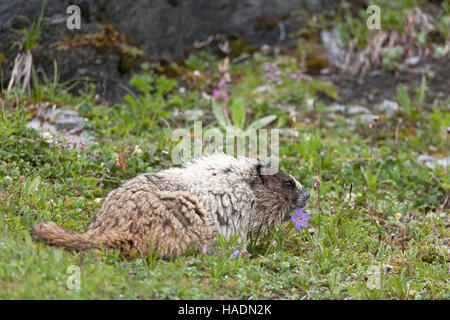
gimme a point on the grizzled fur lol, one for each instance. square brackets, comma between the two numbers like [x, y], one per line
[182, 208]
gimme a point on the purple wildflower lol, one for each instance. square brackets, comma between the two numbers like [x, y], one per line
[101, 182]
[300, 219]
[235, 254]
[216, 94]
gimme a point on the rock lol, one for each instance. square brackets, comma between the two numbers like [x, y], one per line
[376, 73]
[367, 118]
[430, 162]
[333, 42]
[356, 113]
[61, 122]
[162, 29]
[265, 89]
[67, 121]
[412, 60]
[337, 108]
[354, 110]
[192, 115]
[389, 107]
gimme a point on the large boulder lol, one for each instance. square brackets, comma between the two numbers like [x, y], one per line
[159, 29]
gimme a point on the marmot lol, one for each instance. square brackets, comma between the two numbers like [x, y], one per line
[177, 209]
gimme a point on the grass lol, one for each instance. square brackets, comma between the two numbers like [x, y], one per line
[384, 230]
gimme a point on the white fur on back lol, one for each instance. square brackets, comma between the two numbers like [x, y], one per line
[221, 184]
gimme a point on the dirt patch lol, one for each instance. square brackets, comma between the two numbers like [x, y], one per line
[379, 85]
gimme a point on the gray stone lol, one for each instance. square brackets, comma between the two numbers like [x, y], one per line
[354, 110]
[389, 107]
[337, 108]
[366, 118]
[430, 162]
[333, 42]
[61, 122]
[412, 60]
[65, 120]
[162, 28]
[376, 73]
[192, 115]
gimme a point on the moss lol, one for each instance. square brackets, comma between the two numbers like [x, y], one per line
[304, 33]
[2, 59]
[240, 46]
[108, 40]
[315, 63]
[312, 53]
[266, 21]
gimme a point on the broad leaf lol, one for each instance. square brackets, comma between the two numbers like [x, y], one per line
[238, 112]
[260, 123]
[218, 113]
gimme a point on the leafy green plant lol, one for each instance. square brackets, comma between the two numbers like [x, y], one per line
[30, 35]
[238, 117]
[412, 108]
[202, 62]
[52, 89]
[371, 178]
[142, 113]
[390, 57]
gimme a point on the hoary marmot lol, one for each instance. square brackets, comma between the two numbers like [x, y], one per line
[177, 209]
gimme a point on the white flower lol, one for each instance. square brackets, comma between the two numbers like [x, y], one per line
[206, 96]
[98, 200]
[350, 198]
[137, 150]
[47, 136]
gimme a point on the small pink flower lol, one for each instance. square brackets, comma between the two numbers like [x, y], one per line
[222, 83]
[216, 94]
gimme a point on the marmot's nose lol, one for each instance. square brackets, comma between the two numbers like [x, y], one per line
[306, 194]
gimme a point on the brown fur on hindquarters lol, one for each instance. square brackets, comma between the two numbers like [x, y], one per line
[178, 209]
[177, 224]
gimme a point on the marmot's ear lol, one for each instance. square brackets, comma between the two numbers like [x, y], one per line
[261, 176]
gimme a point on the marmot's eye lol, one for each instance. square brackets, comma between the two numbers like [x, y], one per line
[288, 184]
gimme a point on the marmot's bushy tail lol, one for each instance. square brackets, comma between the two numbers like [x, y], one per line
[50, 233]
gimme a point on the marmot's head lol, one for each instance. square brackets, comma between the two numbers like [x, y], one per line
[278, 195]
[273, 195]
